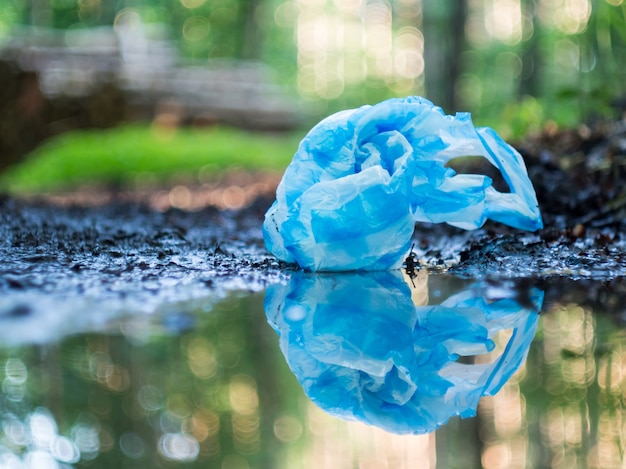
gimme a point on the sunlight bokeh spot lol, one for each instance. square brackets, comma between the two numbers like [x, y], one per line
[286, 14]
[203, 424]
[13, 391]
[118, 379]
[509, 64]
[243, 395]
[409, 59]
[191, 4]
[42, 427]
[287, 428]
[86, 438]
[179, 405]
[343, 44]
[106, 443]
[14, 431]
[127, 19]
[569, 16]
[40, 459]
[370, 446]
[196, 29]
[246, 433]
[10, 461]
[170, 422]
[503, 21]
[89, 9]
[180, 197]
[233, 197]
[15, 370]
[132, 445]
[496, 456]
[150, 398]
[202, 359]
[64, 450]
[178, 447]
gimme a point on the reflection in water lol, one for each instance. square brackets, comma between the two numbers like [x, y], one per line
[136, 396]
[204, 384]
[369, 347]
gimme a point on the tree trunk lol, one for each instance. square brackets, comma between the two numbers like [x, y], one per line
[249, 31]
[529, 79]
[444, 42]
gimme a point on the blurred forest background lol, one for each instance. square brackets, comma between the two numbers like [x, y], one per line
[280, 65]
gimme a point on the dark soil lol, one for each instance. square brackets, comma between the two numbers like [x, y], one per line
[579, 179]
[125, 254]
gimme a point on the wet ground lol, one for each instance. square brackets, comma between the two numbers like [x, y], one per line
[127, 254]
[125, 257]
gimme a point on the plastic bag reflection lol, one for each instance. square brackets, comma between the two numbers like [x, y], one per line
[368, 347]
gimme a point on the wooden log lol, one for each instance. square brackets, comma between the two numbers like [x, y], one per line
[53, 82]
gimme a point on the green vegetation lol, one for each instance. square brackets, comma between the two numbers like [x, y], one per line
[137, 154]
[552, 61]
[479, 56]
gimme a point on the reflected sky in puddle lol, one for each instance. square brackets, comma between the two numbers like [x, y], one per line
[224, 384]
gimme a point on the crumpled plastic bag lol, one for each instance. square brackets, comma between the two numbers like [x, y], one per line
[361, 178]
[362, 350]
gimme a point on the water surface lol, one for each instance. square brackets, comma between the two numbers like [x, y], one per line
[205, 382]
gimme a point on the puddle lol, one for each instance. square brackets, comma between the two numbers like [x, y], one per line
[292, 378]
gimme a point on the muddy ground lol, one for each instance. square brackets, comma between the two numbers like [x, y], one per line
[128, 255]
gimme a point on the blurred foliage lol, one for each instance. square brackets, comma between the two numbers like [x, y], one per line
[561, 62]
[159, 395]
[518, 118]
[574, 389]
[521, 64]
[136, 155]
[365, 51]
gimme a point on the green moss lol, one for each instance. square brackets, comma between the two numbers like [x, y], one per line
[125, 154]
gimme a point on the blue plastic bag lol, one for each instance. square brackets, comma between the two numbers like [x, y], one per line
[361, 178]
[363, 350]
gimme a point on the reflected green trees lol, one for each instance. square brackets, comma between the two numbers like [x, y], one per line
[216, 392]
[206, 396]
[567, 408]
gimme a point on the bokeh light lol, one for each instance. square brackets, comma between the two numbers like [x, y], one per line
[132, 445]
[345, 44]
[178, 447]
